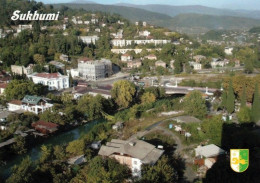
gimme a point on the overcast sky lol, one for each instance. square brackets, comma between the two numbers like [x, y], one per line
[230, 4]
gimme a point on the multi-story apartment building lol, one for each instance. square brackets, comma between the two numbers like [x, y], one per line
[17, 69]
[54, 81]
[89, 39]
[94, 69]
[123, 42]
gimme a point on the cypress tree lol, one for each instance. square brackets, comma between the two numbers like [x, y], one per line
[243, 98]
[256, 105]
[70, 80]
[230, 99]
[224, 100]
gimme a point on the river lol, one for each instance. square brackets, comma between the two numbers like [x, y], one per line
[59, 139]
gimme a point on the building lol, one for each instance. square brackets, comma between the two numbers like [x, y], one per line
[172, 64]
[228, 50]
[23, 27]
[186, 119]
[207, 155]
[4, 77]
[16, 69]
[57, 64]
[218, 63]
[144, 33]
[199, 58]
[144, 24]
[94, 69]
[151, 57]
[64, 57]
[134, 64]
[195, 65]
[54, 81]
[126, 57]
[123, 51]
[30, 103]
[123, 42]
[89, 39]
[73, 72]
[45, 127]
[2, 88]
[160, 63]
[132, 153]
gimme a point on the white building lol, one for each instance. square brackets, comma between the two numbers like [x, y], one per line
[29, 103]
[89, 39]
[123, 42]
[195, 65]
[133, 154]
[54, 81]
[94, 69]
[123, 51]
[17, 69]
[126, 57]
[73, 72]
[228, 50]
[144, 33]
[23, 27]
[218, 63]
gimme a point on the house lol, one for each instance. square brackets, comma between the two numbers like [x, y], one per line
[2, 88]
[23, 27]
[45, 127]
[199, 58]
[207, 155]
[151, 57]
[64, 57]
[16, 69]
[14, 105]
[54, 81]
[4, 77]
[126, 57]
[29, 103]
[4, 115]
[97, 91]
[94, 69]
[195, 65]
[144, 33]
[134, 64]
[216, 62]
[160, 63]
[119, 125]
[186, 119]
[144, 24]
[133, 153]
[228, 50]
[237, 63]
[57, 64]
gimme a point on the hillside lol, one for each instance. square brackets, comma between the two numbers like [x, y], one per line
[176, 10]
[185, 23]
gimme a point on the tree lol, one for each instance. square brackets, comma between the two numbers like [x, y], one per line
[159, 173]
[46, 152]
[22, 173]
[76, 147]
[195, 105]
[256, 105]
[148, 97]
[177, 66]
[123, 93]
[19, 146]
[243, 98]
[70, 80]
[224, 100]
[230, 105]
[39, 59]
[244, 115]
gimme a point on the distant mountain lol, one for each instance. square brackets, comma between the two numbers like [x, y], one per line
[133, 14]
[82, 2]
[185, 23]
[176, 10]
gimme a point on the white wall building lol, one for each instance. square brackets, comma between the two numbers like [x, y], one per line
[228, 50]
[195, 65]
[54, 81]
[88, 39]
[123, 42]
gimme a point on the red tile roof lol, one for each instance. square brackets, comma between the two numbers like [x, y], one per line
[48, 75]
[45, 124]
[85, 59]
[16, 102]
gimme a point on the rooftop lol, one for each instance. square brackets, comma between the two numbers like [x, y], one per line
[16, 102]
[209, 151]
[45, 124]
[47, 75]
[139, 149]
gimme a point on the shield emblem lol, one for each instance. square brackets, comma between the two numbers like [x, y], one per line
[239, 159]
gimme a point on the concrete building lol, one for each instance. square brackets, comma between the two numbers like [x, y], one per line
[2, 88]
[123, 51]
[94, 69]
[133, 153]
[134, 64]
[123, 42]
[228, 50]
[144, 33]
[199, 58]
[54, 81]
[218, 63]
[151, 57]
[17, 69]
[64, 57]
[23, 27]
[89, 39]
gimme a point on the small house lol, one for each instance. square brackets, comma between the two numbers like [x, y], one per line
[45, 127]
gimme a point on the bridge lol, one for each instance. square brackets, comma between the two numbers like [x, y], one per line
[175, 89]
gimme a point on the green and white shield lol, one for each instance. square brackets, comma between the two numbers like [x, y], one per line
[239, 159]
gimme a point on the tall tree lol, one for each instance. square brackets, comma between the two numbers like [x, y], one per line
[256, 105]
[123, 93]
[230, 105]
[70, 80]
[243, 98]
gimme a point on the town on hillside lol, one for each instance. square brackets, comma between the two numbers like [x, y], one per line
[94, 97]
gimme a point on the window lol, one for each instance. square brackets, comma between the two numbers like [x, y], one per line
[135, 162]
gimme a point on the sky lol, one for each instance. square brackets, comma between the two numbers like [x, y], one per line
[229, 4]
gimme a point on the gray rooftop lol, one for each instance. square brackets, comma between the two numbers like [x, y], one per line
[139, 149]
[186, 119]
